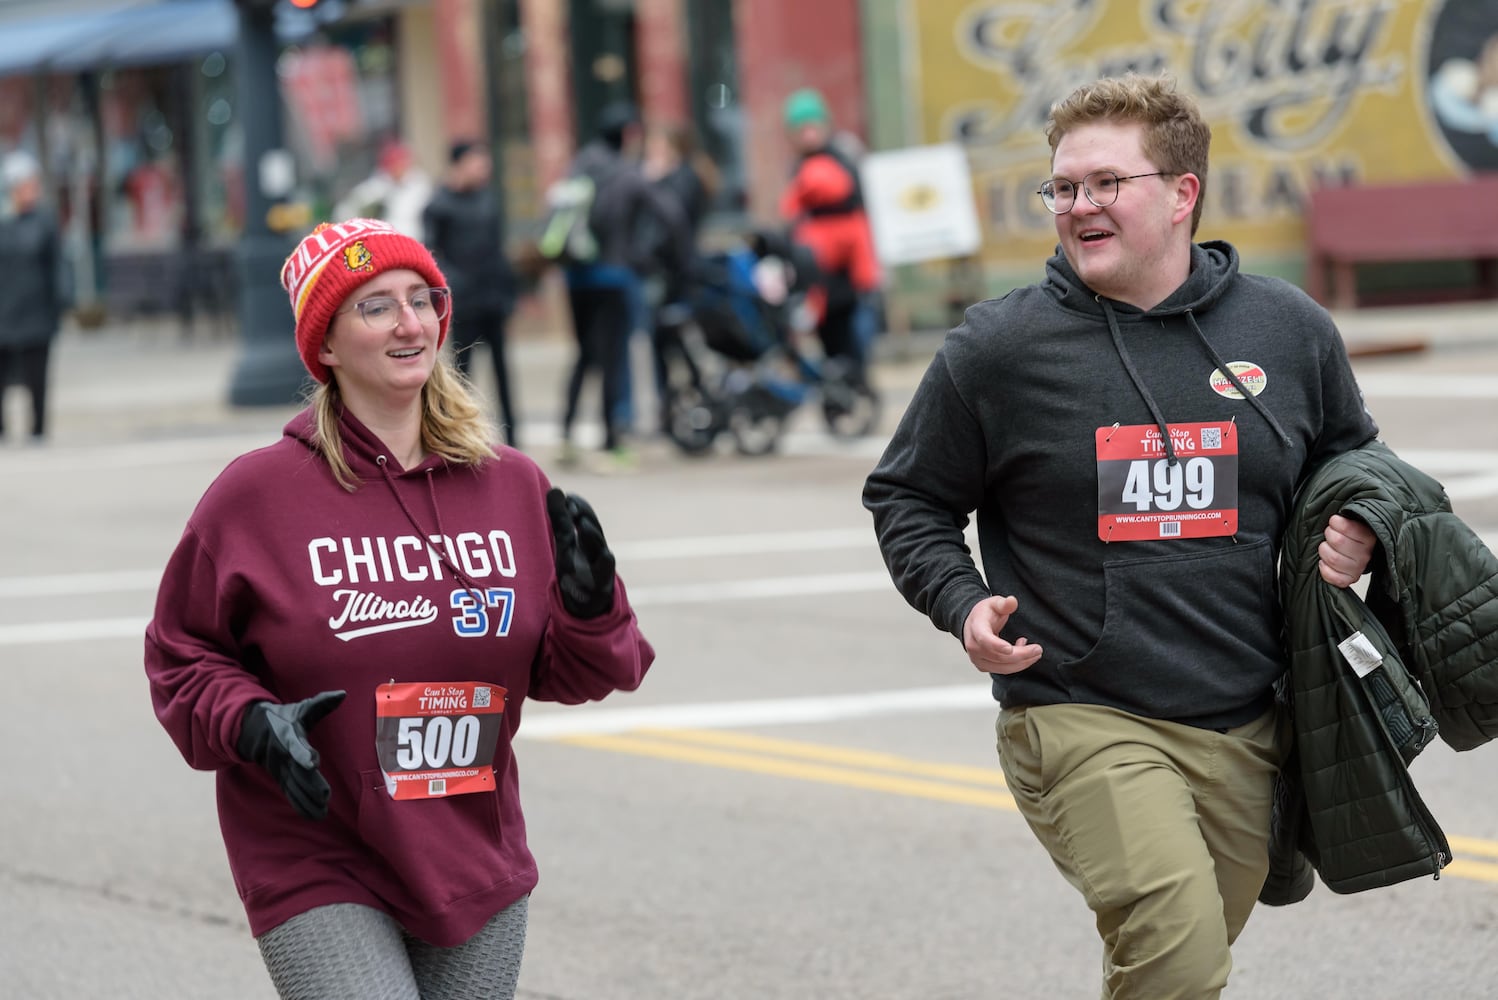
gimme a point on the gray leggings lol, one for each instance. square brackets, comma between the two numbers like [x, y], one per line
[346, 950]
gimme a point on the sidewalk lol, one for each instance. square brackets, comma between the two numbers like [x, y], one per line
[145, 380]
[1386, 329]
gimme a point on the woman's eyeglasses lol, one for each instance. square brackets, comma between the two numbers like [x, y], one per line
[382, 312]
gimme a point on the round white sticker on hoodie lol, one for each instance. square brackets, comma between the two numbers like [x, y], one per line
[1250, 374]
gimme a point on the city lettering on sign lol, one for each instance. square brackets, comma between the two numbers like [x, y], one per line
[1300, 94]
[1287, 72]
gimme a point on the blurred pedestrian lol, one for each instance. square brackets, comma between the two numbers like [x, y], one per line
[1131, 487]
[675, 163]
[32, 298]
[398, 191]
[682, 171]
[605, 292]
[465, 233]
[383, 552]
[824, 205]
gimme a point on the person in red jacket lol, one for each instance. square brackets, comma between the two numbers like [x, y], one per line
[348, 630]
[824, 204]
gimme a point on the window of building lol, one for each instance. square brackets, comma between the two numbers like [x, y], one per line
[717, 113]
[509, 117]
[603, 57]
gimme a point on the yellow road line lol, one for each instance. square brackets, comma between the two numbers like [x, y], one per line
[1471, 845]
[826, 774]
[852, 768]
[1477, 871]
[872, 759]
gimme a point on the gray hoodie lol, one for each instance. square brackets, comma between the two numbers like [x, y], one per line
[1007, 422]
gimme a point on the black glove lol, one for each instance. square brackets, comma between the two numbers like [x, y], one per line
[585, 566]
[275, 737]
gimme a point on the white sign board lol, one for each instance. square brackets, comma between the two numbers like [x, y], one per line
[920, 203]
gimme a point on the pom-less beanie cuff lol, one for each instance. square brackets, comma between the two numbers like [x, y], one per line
[332, 261]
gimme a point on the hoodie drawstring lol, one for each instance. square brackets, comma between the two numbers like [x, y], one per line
[1149, 400]
[441, 550]
[1128, 363]
[1253, 400]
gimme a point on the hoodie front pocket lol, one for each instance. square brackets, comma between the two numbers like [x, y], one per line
[433, 851]
[1194, 635]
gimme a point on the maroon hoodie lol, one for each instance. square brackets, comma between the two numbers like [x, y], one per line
[285, 584]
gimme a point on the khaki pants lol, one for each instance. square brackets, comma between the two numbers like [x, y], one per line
[1163, 828]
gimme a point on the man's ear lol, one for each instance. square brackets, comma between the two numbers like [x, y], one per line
[1188, 190]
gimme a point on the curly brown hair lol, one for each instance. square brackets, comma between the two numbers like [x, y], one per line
[1176, 137]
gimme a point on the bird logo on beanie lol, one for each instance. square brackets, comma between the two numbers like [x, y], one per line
[366, 248]
[358, 258]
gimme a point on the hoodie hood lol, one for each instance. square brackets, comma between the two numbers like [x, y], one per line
[369, 459]
[595, 158]
[1214, 264]
[366, 454]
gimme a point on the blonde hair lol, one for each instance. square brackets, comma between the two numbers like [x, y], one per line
[452, 423]
[1176, 137]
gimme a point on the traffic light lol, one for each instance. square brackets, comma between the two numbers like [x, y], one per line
[304, 4]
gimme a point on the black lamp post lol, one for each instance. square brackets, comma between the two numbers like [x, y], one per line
[269, 371]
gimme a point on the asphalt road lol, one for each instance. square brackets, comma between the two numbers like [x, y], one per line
[802, 801]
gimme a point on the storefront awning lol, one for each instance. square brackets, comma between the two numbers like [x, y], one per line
[130, 34]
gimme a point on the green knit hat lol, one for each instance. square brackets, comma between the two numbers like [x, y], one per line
[806, 107]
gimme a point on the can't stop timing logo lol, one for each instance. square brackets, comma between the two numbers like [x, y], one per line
[1462, 86]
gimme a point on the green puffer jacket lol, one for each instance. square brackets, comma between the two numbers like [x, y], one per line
[1370, 684]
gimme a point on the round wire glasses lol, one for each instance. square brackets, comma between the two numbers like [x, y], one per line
[1100, 187]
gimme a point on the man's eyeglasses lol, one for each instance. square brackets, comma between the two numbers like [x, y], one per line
[384, 313]
[1100, 187]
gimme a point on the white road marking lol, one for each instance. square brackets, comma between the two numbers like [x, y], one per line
[768, 587]
[1410, 385]
[143, 455]
[590, 719]
[73, 584]
[81, 630]
[747, 544]
[692, 547]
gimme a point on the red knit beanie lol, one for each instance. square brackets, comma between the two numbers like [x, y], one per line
[337, 258]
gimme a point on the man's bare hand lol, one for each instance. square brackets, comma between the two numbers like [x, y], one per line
[987, 651]
[1346, 551]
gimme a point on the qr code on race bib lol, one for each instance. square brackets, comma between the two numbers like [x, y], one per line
[1211, 437]
[437, 786]
[480, 697]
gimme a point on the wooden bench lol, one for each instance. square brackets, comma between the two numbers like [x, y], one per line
[1450, 220]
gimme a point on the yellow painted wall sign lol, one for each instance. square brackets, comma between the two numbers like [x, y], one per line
[1298, 93]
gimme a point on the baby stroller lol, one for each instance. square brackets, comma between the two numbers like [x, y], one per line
[732, 361]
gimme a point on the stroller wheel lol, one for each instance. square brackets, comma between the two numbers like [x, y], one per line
[850, 406]
[693, 419]
[756, 421]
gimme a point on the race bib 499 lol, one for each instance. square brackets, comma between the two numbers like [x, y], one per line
[436, 740]
[1142, 495]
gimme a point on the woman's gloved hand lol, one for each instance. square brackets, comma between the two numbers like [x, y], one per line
[585, 566]
[275, 737]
